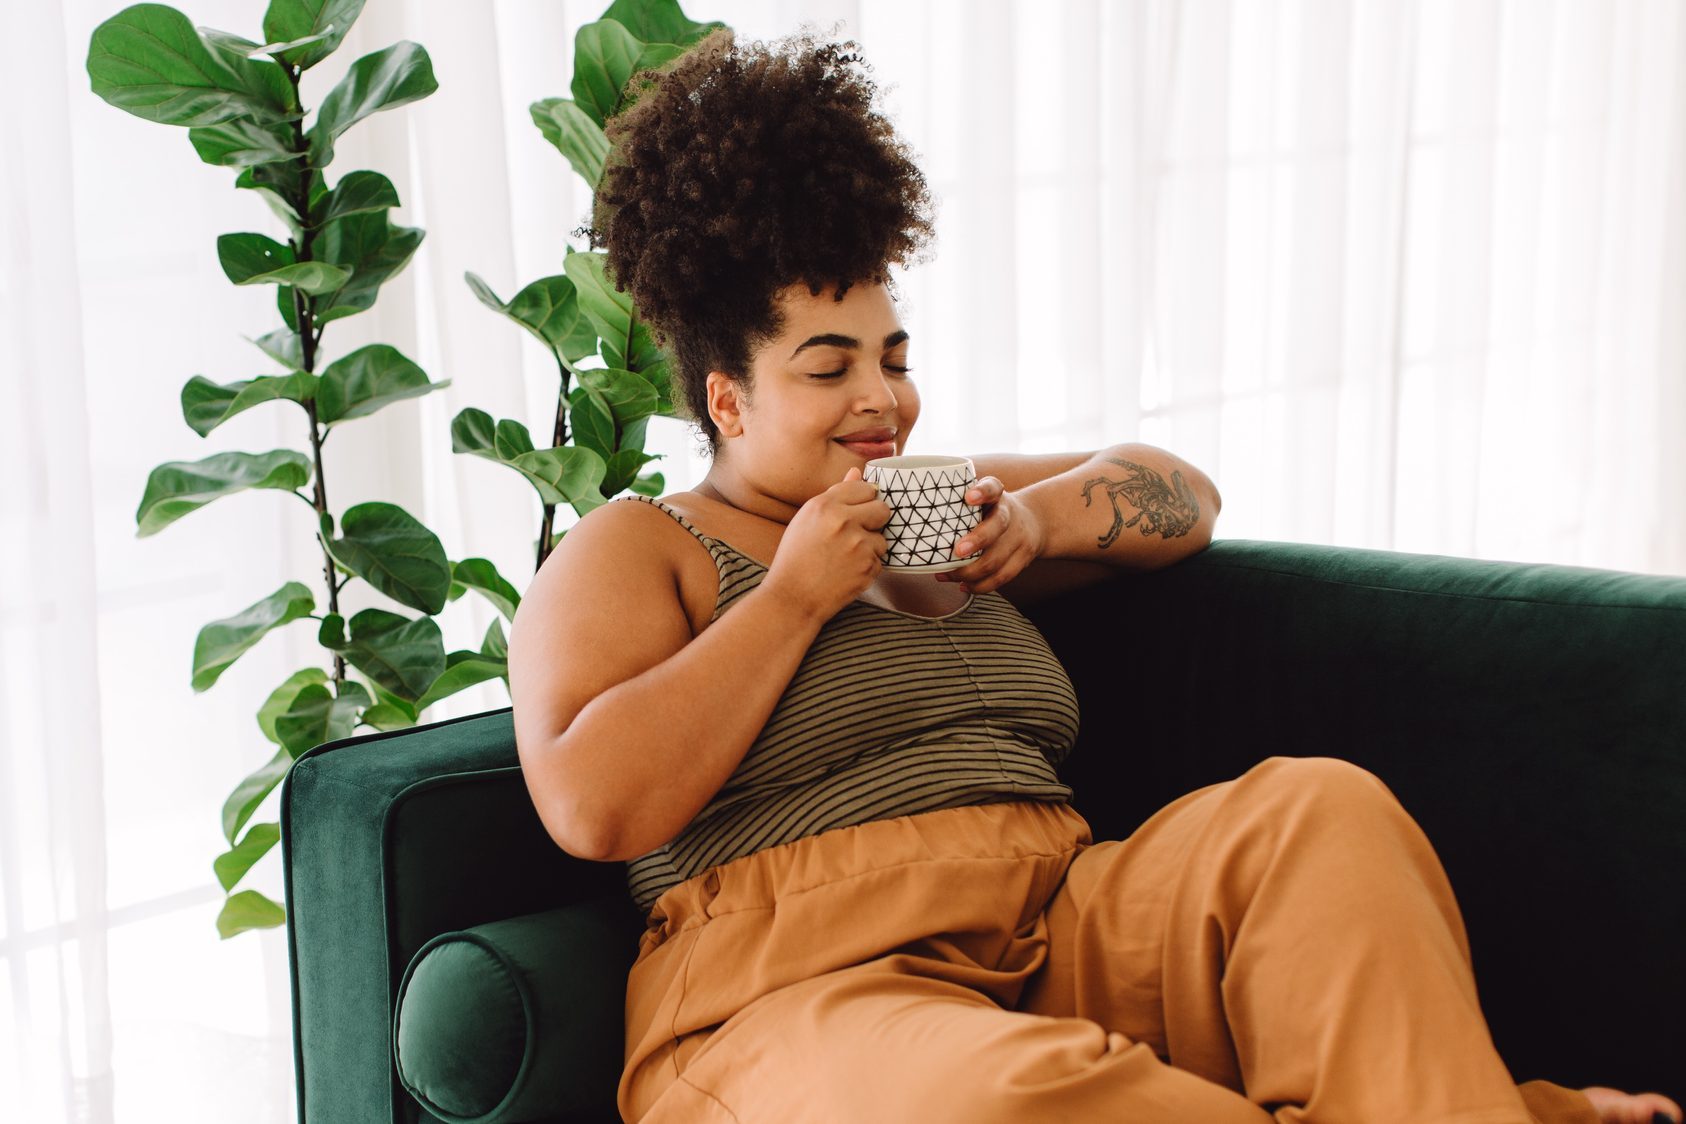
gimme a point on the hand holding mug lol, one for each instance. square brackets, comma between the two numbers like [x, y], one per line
[942, 515]
[1009, 535]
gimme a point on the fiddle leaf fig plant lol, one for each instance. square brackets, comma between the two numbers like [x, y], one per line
[239, 101]
[612, 377]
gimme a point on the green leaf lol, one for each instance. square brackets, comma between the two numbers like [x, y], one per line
[630, 397]
[658, 21]
[593, 421]
[373, 249]
[402, 656]
[258, 178]
[314, 277]
[549, 309]
[206, 405]
[650, 484]
[281, 699]
[249, 793]
[282, 50]
[317, 717]
[222, 642]
[622, 470]
[231, 866]
[633, 434]
[312, 29]
[465, 669]
[225, 43]
[244, 256]
[627, 343]
[255, 259]
[261, 76]
[242, 141]
[644, 352]
[178, 487]
[286, 305]
[510, 439]
[575, 135]
[331, 633]
[496, 644]
[566, 474]
[387, 547]
[387, 79]
[371, 377]
[149, 60]
[605, 56]
[481, 576]
[282, 345]
[387, 716]
[390, 713]
[659, 376]
[249, 910]
[356, 193]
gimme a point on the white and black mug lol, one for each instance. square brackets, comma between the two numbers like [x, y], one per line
[928, 510]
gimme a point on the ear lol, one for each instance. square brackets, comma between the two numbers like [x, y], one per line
[725, 404]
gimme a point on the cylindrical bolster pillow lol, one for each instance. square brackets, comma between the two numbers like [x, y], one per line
[515, 1020]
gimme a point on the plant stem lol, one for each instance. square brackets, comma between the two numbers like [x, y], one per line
[303, 316]
[558, 438]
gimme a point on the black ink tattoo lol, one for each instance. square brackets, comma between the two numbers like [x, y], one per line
[1169, 510]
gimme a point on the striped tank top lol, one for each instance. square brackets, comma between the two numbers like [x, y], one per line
[889, 714]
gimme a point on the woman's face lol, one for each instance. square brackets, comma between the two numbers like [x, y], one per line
[836, 368]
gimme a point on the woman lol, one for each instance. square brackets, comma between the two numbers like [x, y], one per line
[868, 895]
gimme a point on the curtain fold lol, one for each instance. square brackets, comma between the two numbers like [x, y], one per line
[1401, 275]
[57, 1061]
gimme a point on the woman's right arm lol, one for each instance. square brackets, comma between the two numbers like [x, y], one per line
[626, 726]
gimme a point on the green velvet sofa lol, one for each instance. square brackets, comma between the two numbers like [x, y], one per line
[449, 962]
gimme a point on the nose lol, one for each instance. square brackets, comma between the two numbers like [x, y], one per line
[879, 395]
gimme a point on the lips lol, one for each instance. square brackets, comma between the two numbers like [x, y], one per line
[870, 449]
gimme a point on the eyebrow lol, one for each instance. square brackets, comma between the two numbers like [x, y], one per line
[832, 339]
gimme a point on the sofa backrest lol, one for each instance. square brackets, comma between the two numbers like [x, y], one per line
[1532, 718]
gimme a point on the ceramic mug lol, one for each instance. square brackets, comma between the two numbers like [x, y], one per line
[928, 510]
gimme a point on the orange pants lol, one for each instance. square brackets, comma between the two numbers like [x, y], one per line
[1279, 947]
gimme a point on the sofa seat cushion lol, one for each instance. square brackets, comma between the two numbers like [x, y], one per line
[504, 1021]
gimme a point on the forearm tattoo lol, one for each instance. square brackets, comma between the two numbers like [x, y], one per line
[1169, 510]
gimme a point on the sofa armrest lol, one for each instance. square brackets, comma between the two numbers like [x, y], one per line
[516, 1020]
[387, 841]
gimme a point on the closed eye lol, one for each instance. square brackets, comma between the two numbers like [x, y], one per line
[840, 374]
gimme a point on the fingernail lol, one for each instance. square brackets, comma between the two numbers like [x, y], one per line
[974, 496]
[963, 547]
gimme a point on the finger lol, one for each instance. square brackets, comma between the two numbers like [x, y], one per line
[972, 542]
[986, 534]
[988, 580]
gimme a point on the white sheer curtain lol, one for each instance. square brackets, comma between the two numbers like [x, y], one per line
[1402, 275]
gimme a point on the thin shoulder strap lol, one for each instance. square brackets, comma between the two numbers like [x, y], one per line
[683, 522]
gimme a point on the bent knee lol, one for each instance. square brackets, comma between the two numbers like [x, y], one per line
[1324, 782]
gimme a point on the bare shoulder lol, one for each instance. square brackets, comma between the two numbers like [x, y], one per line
[604, 608]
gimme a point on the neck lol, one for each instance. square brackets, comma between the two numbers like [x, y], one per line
[724, 488]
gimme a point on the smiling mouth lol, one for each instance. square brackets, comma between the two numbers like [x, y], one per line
[858, 446]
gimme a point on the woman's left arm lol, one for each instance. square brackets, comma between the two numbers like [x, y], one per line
[1133, 506]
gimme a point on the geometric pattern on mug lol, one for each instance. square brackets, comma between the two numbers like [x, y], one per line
[928, 513]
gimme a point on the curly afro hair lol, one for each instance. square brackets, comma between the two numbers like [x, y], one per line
[741, 170]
